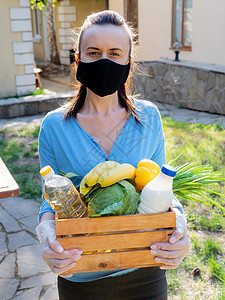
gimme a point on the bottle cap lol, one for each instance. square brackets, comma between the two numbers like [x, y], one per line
[168, 170]
[46, 172]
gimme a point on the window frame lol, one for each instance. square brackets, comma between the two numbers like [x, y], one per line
[126, 9]
[36, 25]
[185, 48]
[132, 16]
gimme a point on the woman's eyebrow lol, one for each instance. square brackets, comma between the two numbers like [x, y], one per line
[95, 48]
[92, 48]
[116, 49]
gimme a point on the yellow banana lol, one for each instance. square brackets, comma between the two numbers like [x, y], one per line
[84, 190]
[91, 178]
[113, 175]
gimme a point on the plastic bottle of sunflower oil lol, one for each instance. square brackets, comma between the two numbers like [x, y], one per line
[157, 195]
[62, 195]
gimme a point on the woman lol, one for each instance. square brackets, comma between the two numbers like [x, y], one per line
[103, 123]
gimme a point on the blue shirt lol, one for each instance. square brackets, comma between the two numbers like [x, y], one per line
[65, 145]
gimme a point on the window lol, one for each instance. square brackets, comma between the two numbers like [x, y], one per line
[131, 13]
[182, 23]
[36, 25]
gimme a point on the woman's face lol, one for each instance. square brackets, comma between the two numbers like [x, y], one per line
[105, 41]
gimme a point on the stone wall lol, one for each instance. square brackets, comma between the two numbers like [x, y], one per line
[186, 84]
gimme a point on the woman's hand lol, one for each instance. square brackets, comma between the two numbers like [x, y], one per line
[58, 259]
[173, 252]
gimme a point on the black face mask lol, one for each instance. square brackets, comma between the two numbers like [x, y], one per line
[103, 77]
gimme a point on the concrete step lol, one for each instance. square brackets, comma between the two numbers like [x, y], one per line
[32, 105]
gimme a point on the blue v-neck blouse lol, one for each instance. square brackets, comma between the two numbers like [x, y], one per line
[65, 145]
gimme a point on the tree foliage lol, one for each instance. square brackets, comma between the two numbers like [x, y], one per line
[41, 4]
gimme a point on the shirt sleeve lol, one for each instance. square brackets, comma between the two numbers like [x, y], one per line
[46, 157]
[176, 204]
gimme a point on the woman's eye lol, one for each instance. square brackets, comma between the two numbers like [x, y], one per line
[93, 53]
[114, 54]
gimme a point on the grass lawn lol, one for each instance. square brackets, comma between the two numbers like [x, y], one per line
[202, 274]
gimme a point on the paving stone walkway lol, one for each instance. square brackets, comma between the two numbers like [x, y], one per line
[23, 273]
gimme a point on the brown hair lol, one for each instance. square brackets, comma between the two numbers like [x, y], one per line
[102, 18]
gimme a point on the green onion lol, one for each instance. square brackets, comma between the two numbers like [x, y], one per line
[192, 182]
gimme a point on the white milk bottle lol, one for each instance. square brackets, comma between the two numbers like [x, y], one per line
[157, 195]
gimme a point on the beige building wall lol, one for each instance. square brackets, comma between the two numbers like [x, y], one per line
[8, 69]
[154, 19]
[208, 42]
[117, 5]
[209, 31]
[16, 72]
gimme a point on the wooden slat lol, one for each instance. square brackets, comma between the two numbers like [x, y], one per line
[112, 261]
[8, 186]
[118, 223]
[115, 241]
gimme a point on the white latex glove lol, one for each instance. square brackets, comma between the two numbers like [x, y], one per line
[173, 252]
[58, 259]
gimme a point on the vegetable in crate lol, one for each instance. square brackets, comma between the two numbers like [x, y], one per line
[120, 198]
[192, 182]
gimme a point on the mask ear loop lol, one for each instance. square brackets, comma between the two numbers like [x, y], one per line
[130, 60]
[77, 58]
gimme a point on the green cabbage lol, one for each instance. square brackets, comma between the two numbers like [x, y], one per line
[120, 198]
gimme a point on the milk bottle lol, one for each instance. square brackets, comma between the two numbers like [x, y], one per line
[157, 195]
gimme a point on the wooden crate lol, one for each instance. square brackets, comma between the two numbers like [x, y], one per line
[130, 237]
